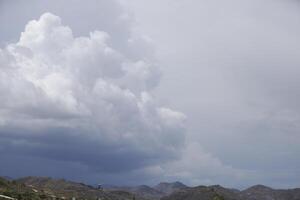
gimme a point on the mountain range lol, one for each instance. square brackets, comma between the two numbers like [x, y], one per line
[152, 193]
[216, 192]
[37, 188]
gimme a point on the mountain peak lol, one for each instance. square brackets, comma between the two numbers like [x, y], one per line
[258, 188]
[169, 187]
[174, 184]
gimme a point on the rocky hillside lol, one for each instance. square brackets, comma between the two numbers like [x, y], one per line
[261, 192]
[258, 192]
[152, 193]
[141, 191]
[19, 191]
[169, 188]
[69, 189]
[203, 193]
[43, 188]
[38, 188]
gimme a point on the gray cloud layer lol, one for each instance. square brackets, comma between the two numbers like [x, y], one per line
[80, 100]
[86, 104]
[234, 65]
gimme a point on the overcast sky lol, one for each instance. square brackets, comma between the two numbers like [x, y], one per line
[141, 91]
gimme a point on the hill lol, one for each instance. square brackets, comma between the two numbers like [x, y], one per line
[203, 193]
[169, 188]
[151, 193]
[141, 191]
[258, 192]
[261, 192]
[45, 188]
[19, 191]
[68, 189]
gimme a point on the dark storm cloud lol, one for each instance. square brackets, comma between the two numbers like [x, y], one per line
[231, 66]
[83, 100]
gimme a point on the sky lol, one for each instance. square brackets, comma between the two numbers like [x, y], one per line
[130, 92]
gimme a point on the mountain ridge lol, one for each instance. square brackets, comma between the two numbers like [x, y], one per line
[37, 188]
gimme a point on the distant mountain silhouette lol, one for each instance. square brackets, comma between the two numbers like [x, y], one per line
[6, 178]
[63, 189]
[147, 192]
[38, 188]
[258, 192]
[141, 191]
[168, 188]
[261, 192]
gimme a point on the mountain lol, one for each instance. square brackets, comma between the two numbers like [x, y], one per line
[19, 191]
[203, 193]
[261, 192]
[141, 191]
[61, 188]
[6, 178]
[150, 193]
[67, 189]
[44, 188]
[258, 192]
[168, 188]
[146, 192]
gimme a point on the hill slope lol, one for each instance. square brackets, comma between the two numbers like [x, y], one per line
[152, 193]
[20, 191]
[141, 191]
[258, 192]
[43, 188]
[261, 192]
[69, 189]
[168, 188]
[203, 193]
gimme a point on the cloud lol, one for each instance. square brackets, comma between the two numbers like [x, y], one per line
[198, 167]
[90, 103]
[239, 62]
[79, 100]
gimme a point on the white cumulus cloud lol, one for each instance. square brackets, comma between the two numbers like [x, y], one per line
[79, 99]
